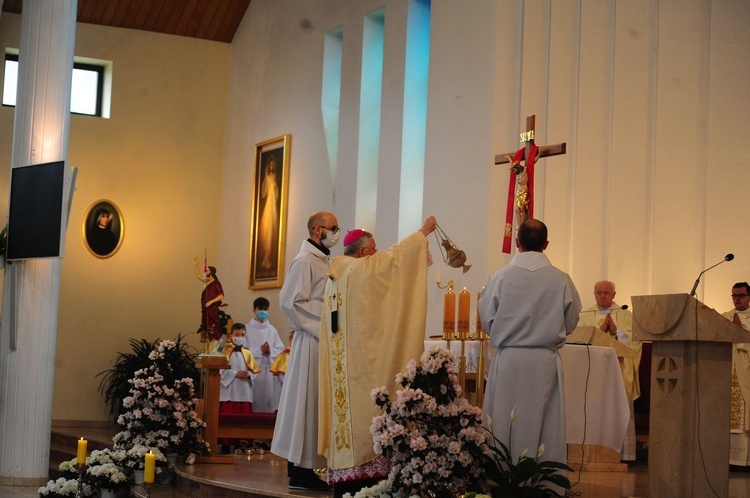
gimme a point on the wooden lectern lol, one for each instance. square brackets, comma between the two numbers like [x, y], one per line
[691, 371]
[211, 367]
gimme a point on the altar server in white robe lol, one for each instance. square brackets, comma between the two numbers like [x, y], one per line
[607, 315]
[528, 308]
[301, 300]
[263, 340]
[739, 425]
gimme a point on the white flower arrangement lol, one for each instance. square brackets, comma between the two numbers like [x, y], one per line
[64, 487]
[434, 438]
[161, 410]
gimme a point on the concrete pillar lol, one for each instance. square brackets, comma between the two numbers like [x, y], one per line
[40, 135]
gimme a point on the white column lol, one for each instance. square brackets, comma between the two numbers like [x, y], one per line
[40, 135]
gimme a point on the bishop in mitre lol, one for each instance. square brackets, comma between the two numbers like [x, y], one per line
[374, 317]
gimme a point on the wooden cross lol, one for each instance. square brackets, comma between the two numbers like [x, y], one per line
[524, 190]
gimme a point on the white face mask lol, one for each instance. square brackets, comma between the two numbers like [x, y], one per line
[238, 341]
[331, 239]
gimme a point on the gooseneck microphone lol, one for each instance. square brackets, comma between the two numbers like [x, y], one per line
[623, 307]
[728, 257]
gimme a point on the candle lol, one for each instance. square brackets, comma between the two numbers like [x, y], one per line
[81, 455]
[150, 470]
[464, 311]
[439, 278]
[449, 315]
[479, 319]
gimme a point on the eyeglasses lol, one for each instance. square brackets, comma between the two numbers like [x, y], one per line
[333, 229]
[739, 296]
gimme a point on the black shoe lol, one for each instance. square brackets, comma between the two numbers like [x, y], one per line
[309, 483]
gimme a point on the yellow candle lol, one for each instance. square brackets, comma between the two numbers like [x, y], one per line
[81, 455]
[150, 470]
[449, 315]
[464, 313]
[479, 319]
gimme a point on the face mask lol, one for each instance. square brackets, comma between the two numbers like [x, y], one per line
[262, 315]
[331, 239]
[238, 341]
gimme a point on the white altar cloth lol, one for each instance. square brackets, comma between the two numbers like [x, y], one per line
[595, 398]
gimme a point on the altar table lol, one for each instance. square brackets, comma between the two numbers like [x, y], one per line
[597, 411]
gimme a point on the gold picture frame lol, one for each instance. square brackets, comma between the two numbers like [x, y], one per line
[268, 220]
[103, 229]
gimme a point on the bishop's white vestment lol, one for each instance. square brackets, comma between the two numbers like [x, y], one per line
[739, 424]
[265, 393]
[295, 435]
[528, 308]
[380, 304]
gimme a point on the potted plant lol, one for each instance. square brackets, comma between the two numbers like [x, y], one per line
[106, 473]
[438, 447]
[67, 484]
[3, 245]
[114, 381]
[159, 410]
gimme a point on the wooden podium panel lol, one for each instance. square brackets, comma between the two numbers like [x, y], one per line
[691, 370]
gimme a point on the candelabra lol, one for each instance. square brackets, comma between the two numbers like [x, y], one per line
[81, 468]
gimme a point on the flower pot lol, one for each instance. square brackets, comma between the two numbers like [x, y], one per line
[138, 476]
[171, 458]
[108, 493]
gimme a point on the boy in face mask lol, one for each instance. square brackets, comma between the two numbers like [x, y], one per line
[236, 394]
[264, 341]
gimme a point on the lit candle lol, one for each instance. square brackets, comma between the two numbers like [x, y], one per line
[449, 315]
[479, 319]
[150, 470]
[81, 455]
[464, 313]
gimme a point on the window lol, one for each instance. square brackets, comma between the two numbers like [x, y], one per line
[87, 89]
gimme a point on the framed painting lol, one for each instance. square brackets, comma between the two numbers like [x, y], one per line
[103, 229]
[268, 220]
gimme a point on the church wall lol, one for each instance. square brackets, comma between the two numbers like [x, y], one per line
[643, 93]
[632, 87]
[159, 158]
[279, 59]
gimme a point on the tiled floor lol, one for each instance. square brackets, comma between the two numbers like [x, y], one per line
[265, 475]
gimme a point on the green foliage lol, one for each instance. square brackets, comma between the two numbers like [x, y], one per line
[527, 478]
[114, 384]
[4, 241]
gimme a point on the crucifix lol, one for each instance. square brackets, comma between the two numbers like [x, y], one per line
[521, 184]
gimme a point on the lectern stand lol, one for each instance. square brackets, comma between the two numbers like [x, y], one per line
[211, 367]
[690, 394]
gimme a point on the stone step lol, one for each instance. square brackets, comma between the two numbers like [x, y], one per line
[64, 444]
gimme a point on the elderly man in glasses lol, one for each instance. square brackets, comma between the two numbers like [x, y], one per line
[739, 424]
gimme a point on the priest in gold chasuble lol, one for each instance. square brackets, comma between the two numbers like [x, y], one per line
[374, 316]
[739, 422]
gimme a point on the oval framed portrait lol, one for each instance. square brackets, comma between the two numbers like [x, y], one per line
[103, 229]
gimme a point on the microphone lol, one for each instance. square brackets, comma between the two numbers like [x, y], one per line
[623, 307]
[728, 257]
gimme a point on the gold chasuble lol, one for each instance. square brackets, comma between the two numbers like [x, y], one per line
[380, 305]
[629, 366]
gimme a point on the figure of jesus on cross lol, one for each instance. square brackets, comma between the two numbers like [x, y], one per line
[521, 184]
